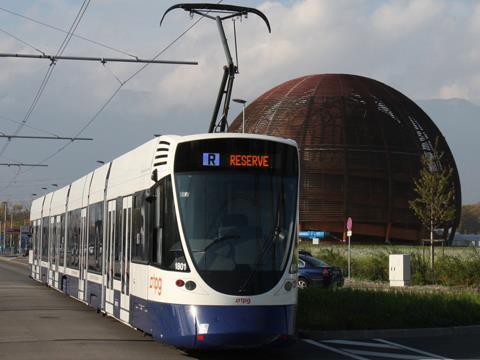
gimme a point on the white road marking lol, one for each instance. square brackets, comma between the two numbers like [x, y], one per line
[384, 354]
[315, 343]
[413, 349]
[361, 343]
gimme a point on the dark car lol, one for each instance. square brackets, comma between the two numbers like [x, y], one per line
[315, 272]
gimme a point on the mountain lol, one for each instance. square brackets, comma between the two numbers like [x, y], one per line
[459, 122]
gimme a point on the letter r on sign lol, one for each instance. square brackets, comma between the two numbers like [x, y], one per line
[211, 159]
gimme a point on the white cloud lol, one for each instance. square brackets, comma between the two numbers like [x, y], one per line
[453, 91]
[474, 22]
[402, 18]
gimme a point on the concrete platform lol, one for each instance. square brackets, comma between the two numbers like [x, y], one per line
[37, 322]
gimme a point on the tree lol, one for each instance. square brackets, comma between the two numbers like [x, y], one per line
[434, 205]
[470, 222]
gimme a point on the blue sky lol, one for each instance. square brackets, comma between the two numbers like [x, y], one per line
[424, 48]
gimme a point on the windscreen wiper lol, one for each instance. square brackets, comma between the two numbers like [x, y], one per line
[268, 246]
[219, 239]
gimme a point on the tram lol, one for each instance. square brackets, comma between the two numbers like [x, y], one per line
[188, 238]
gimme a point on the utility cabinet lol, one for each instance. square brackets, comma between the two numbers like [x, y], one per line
[400, 272]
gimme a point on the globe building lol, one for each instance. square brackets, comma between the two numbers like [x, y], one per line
[360, 144]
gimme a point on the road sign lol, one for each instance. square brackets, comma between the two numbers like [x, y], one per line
[349, 224]
[349, 233]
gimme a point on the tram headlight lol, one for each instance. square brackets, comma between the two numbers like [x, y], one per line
[288, 286]
[190, 285]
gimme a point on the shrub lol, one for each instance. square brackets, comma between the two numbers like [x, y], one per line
[455, 271]
[373, 267]
[334, 257]
[420, 267]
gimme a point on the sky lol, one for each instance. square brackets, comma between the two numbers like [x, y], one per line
[427, 49]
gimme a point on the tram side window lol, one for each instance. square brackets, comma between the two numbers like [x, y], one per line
[73, 243]
[167, 247]
[95, 237]
[61, 245]
[45, 226]
[139, 238]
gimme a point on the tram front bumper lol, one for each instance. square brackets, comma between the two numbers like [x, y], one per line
[204, 327]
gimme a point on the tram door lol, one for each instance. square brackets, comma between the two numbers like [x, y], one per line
[83, 256]
[56, 251]
[126, 235]
[36, 249]
[110, 258]
[51, 251]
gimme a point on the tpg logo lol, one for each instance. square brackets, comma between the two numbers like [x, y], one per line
[211, 159]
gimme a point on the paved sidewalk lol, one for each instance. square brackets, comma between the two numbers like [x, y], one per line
[37, 322]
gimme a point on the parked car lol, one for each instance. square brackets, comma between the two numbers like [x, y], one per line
[315, 272]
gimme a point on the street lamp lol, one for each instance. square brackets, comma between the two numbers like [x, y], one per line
[243, 102]
[100, 161]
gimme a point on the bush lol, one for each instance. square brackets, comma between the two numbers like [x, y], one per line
[333, 257]
[420, 267]
[454, 271]
[373, 267]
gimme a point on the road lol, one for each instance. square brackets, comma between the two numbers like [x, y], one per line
[37, 322]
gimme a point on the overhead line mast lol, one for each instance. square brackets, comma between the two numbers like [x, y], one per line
[53, 59]
[103, 60]
[224, 12]
[22, 164]
[9, 137]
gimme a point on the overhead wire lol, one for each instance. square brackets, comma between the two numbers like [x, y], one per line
[21, 40]
[98, 43]
[109, 100]
[49, 72]
[29, 126]
[73, 27]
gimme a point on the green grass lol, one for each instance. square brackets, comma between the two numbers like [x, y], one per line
[453, 266]
[355, 309]
[369, 249]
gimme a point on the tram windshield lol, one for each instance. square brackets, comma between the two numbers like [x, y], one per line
[237, 202]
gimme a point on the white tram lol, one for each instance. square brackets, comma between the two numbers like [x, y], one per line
[190, 239]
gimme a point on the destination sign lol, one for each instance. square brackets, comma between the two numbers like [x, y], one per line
[261, 161]
[233, 154]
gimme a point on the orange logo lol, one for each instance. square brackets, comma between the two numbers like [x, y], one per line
[156, 284]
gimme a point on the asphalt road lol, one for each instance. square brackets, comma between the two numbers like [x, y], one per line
[37, 322]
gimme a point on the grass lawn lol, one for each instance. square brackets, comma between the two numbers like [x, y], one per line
[355, 309]
[360, 250]
[454, 266]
